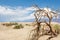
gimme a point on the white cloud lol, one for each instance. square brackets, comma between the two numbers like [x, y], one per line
[16, 13]
[31, 16]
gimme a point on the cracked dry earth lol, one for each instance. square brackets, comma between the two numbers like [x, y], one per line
[20, 34]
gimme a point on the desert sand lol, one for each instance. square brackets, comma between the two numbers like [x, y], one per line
[19, 34]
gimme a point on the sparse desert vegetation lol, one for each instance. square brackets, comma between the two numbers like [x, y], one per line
[10, 24]
[23, 34]
[18, 26]
[57, 28]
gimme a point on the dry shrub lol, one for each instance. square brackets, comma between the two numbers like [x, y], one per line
[27, 24]
[10, 24]
[18, 26]
[57, 28]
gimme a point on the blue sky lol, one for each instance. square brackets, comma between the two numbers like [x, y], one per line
[15, 10]
[27, 3]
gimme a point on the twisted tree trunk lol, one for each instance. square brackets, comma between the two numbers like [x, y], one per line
[53, 34]
[38, 30]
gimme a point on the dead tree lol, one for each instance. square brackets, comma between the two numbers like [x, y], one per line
[39, 13]
[38, 16]
[50, 15]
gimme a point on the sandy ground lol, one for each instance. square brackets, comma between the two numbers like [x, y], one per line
[19, 34]
[14, 34]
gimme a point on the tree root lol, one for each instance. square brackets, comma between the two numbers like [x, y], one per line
[52, 37]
